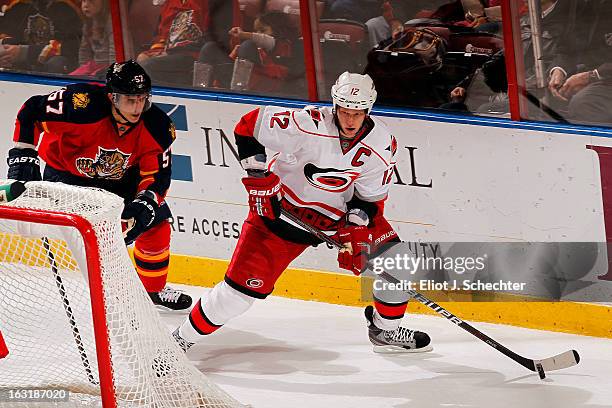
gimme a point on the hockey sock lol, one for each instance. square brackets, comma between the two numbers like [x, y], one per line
[152, 256]
[213, 310]
[387, 316]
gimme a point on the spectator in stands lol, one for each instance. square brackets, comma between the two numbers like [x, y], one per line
[486, 91]
[269, 48]
[180, 34]
[481, 15]
[40, 36]
[389, 24]
[490, 19]
[97, 49]
[394, 12]
[582, 69]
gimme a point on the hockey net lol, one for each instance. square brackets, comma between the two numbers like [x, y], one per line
[75, 317]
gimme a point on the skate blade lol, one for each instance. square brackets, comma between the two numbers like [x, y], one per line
[390, 349]
[167, 310]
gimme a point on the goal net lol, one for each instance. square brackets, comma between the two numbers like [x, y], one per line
[74, 316]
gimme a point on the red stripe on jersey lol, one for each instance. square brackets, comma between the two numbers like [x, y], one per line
[246, 125]
[317, 203]
[375, 152]
[272, 161]
[310, 133]
[390, 311]
[200, 322]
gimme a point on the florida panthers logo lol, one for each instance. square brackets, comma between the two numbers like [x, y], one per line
[184, 31]
[39, 30]
[332, 180]
[80, 100]
[109, 164]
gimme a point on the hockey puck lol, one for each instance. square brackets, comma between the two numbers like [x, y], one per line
[541, 372]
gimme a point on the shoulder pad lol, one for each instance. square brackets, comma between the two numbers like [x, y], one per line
[87, 87]
[311, 118]
[160, 126]
[381, 139]
[86, 103]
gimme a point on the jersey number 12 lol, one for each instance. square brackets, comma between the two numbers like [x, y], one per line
[281, 119]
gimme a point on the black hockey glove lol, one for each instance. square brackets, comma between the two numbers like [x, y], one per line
[23, 164]
[139, 215]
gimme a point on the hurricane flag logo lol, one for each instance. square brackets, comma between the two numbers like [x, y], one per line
[329, 179]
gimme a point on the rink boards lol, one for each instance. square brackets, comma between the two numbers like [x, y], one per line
[457, 179]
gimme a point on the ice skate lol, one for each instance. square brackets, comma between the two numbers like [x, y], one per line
[165, 362]
[400, 340]
[184, 344]
[169, 299]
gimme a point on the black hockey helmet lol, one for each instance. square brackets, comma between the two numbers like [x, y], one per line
[127, 78]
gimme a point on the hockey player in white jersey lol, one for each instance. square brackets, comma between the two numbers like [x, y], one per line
[332, 168]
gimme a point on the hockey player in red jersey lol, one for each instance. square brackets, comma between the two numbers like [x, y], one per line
[332, 168]
[111, 137]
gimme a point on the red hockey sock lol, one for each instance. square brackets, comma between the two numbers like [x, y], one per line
[200, 322]
[152, 256]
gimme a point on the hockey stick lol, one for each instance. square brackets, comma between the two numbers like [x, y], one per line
[75, 330]
[538, 103]
[564, 360]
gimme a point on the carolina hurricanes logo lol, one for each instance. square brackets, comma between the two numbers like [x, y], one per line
[315, 115]
[254, 283]
[332, 180]
[393, 146]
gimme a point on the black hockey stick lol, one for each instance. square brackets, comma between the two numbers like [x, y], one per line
[75, 330]
[539, 103]
[564, 360]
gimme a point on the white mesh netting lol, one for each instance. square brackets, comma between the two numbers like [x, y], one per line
[46, 314]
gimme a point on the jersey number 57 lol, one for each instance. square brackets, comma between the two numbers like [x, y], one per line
[55, 98]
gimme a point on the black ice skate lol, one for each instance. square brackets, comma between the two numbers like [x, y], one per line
[400, 340]
[170, 299]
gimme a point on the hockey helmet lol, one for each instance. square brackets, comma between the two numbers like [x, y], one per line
[354, 91]
[128, 78]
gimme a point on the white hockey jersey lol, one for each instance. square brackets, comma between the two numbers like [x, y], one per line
[303, 149]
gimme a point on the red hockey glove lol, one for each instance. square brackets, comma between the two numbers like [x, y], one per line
[264, 195]
[357, 241]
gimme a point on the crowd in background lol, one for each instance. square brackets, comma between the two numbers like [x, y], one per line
[440, 54]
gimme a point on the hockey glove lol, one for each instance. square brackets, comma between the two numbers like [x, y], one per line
[264, 194]
[356, 241]
[23, 164]
[142, 212]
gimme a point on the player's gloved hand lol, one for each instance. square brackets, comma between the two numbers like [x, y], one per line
[23, 164]
[142, 211]
[264, 194]
[357, 240]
